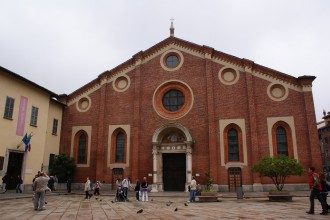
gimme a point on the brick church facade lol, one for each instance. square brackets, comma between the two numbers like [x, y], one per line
[179, 109]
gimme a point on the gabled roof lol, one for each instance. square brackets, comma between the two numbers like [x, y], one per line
[202, 49]
[15, 75]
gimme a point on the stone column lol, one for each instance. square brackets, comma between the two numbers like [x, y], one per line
[154, 169]
[188, 164]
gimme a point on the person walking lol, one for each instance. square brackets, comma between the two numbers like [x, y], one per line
[325, 190]
[4, 183]
[193, 188]
[55, 182]
[97, 188]
[137, 190]
[126, 183]
[87, 188]
[19, 183]
[40, 185]
[315, 189]
[144, 190]
[68, 185]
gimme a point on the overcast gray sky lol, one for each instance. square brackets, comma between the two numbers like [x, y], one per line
[65, 44]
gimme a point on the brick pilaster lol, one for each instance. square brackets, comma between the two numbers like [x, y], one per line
[101, 151]
[213, 148]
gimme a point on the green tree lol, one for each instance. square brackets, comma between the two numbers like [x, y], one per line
[63, 167]
[278, 169]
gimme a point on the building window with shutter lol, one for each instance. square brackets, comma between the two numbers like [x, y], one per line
[34, 116]
[55, 124]
[9, 108]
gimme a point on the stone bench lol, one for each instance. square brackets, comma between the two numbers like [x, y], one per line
[280, 198]
[207, 198]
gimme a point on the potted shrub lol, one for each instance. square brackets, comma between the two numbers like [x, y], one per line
[278, 169]
[208, 191]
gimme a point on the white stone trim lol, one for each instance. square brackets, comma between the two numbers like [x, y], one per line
[88, 130]
[127, 129]
[234, 164]
[222, 125]
[162, 60]
[290, 121]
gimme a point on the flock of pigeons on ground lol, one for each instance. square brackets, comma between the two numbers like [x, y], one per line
[169, 203]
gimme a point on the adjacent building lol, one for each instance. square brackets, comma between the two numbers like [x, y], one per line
[180, 109]
[27, 109]
[324, 137]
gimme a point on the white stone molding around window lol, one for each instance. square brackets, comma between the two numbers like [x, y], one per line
[290, 121]
[127, 129]
[75, 130]
[223, 123]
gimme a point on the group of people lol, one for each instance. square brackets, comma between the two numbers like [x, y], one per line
[88, 187]
[17, 180]
[318, 189]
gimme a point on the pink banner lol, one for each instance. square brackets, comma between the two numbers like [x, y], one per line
[21, 116]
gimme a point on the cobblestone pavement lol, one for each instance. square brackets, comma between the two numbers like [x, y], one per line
[103, 207]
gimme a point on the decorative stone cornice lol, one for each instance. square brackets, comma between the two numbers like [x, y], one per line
[204, 52]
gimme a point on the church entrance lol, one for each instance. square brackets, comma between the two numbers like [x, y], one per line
[14, 168]
[174, 171]
[172, 158]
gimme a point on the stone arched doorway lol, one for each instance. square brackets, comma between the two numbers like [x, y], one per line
[172, 160]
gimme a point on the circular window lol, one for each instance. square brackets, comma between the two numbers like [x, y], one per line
[121, 84]
[277, 92]
[83, 104]
[228, 76]
[172, 61]
[173, 100]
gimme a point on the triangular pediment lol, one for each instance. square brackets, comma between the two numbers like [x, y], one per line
[201, 51]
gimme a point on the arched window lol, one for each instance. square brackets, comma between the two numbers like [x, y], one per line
[120, 147]
[233, 148]
[282, 142]
[82, 149]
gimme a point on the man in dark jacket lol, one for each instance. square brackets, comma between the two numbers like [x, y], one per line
[19, 182]
[315, 187]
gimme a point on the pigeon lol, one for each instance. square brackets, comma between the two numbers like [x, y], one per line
[100, 199]
[140, 211]
[185, 204]
[176, 209]
[96, 198]
[112, 202]
[169, 203]
[152, 200]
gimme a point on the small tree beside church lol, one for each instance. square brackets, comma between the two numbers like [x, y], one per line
[63, 167]
[278, 169]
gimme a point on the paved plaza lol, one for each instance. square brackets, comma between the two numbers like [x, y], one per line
[103, 207]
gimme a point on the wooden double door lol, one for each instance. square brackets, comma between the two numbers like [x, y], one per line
[174, 171]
